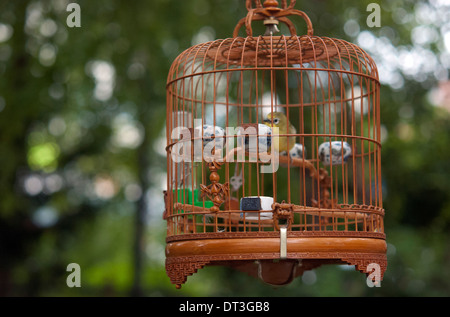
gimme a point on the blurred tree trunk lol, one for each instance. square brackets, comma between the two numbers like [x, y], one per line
[139, 222]
[13, 125]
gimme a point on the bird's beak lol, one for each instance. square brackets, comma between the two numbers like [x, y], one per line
[267, 120]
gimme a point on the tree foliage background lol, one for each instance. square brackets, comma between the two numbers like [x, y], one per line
[82, 160]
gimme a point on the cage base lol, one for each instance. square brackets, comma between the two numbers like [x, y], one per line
[260, 257]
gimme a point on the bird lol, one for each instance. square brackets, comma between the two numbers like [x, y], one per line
[279, 120]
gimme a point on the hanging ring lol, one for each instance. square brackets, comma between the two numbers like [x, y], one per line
[248, 4]
[259, 13]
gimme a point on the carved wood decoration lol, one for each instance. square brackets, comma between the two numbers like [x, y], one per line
[216, 192]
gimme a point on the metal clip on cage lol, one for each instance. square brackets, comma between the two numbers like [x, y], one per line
[267, 198]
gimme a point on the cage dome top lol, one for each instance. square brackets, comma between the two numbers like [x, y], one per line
[271, 50]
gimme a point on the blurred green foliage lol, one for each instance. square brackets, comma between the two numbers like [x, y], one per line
[82, 165]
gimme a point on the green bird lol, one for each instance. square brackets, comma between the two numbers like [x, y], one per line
[279, 120]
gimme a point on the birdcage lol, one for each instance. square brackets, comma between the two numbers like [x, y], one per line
[273, 153]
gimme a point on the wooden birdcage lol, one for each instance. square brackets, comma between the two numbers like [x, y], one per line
[247, 191]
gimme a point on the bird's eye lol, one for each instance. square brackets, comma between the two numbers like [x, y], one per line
[276, 121]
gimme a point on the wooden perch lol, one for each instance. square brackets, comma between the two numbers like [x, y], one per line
[338, 212]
